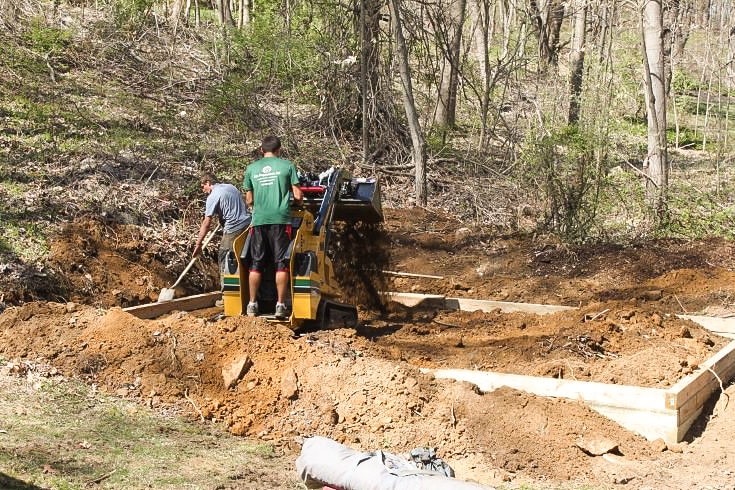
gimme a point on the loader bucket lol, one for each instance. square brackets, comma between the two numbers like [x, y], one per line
[359, 202]
[353, 199]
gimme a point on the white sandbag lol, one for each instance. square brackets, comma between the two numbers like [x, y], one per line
[324, 461]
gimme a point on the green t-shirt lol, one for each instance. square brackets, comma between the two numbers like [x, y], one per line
[270, 179]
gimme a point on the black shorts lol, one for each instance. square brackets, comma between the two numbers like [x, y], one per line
[269, 245]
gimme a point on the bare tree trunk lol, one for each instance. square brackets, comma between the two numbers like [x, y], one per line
[224, 13]
[577, 60]
[547, 20]
[177, 11]
[508, 17]
[679, 16]
[601, 28]
[481, 37]
[656, 165]
[445, 115]
[240, 14]
[702, 10]
[369, 32]
[731, 59]
[555, 19]
[245, 8]
[414, 126]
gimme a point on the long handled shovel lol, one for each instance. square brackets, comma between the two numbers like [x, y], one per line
[167, 294]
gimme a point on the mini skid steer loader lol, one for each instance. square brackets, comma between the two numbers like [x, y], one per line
[314, 294]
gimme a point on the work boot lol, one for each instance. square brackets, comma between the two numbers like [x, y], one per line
[252, 309]
[281, 310]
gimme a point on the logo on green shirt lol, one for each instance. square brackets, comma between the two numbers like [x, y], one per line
[267, 176]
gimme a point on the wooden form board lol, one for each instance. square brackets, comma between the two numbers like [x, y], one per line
[467, 304]
[689, 395]
[724, 327]
[187, 303]
[651, 412]
[640, 410]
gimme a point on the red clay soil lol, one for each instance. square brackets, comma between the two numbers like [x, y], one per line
[363, 386]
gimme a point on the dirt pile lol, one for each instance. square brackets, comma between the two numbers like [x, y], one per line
[610, 342]
[363, 387]
[325, 383]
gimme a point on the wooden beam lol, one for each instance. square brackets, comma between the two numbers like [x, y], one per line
[468, 304]
[587, 391]
[188, 303]
[408, 274]
[716, 369]
[414, 299]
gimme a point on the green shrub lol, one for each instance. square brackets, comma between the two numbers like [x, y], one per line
[131, 15]
[682, 82]
[568, 170]
[46, 40]
[697, 214]
[687, 138]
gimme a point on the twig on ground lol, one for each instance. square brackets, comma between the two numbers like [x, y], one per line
[445, 324]
[174, 358]
[99, 478]
[551, 344]
[722, 388]
[680, 305]
[186, 395]
[598, 314]
[151, 175]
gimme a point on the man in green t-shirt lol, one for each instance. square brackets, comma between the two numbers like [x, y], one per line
[269, 184]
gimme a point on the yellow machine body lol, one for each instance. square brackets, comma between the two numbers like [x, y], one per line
[314, 292]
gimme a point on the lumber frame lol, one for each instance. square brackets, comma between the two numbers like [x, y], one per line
[651, 412]
[638, 409]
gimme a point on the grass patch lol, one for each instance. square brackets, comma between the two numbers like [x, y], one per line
[24, 240]
[64, 435]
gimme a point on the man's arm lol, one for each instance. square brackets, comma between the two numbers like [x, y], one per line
[203, 229]
[298, 196]
[249, 198]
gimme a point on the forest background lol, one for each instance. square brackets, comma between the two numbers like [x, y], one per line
[542, 117]
[577, 122]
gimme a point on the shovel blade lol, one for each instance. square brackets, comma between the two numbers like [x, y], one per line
[167, 294]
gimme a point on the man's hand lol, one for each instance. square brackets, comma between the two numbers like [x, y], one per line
[203, 229]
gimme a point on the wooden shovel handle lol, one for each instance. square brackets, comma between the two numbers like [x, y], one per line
[206, 241]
